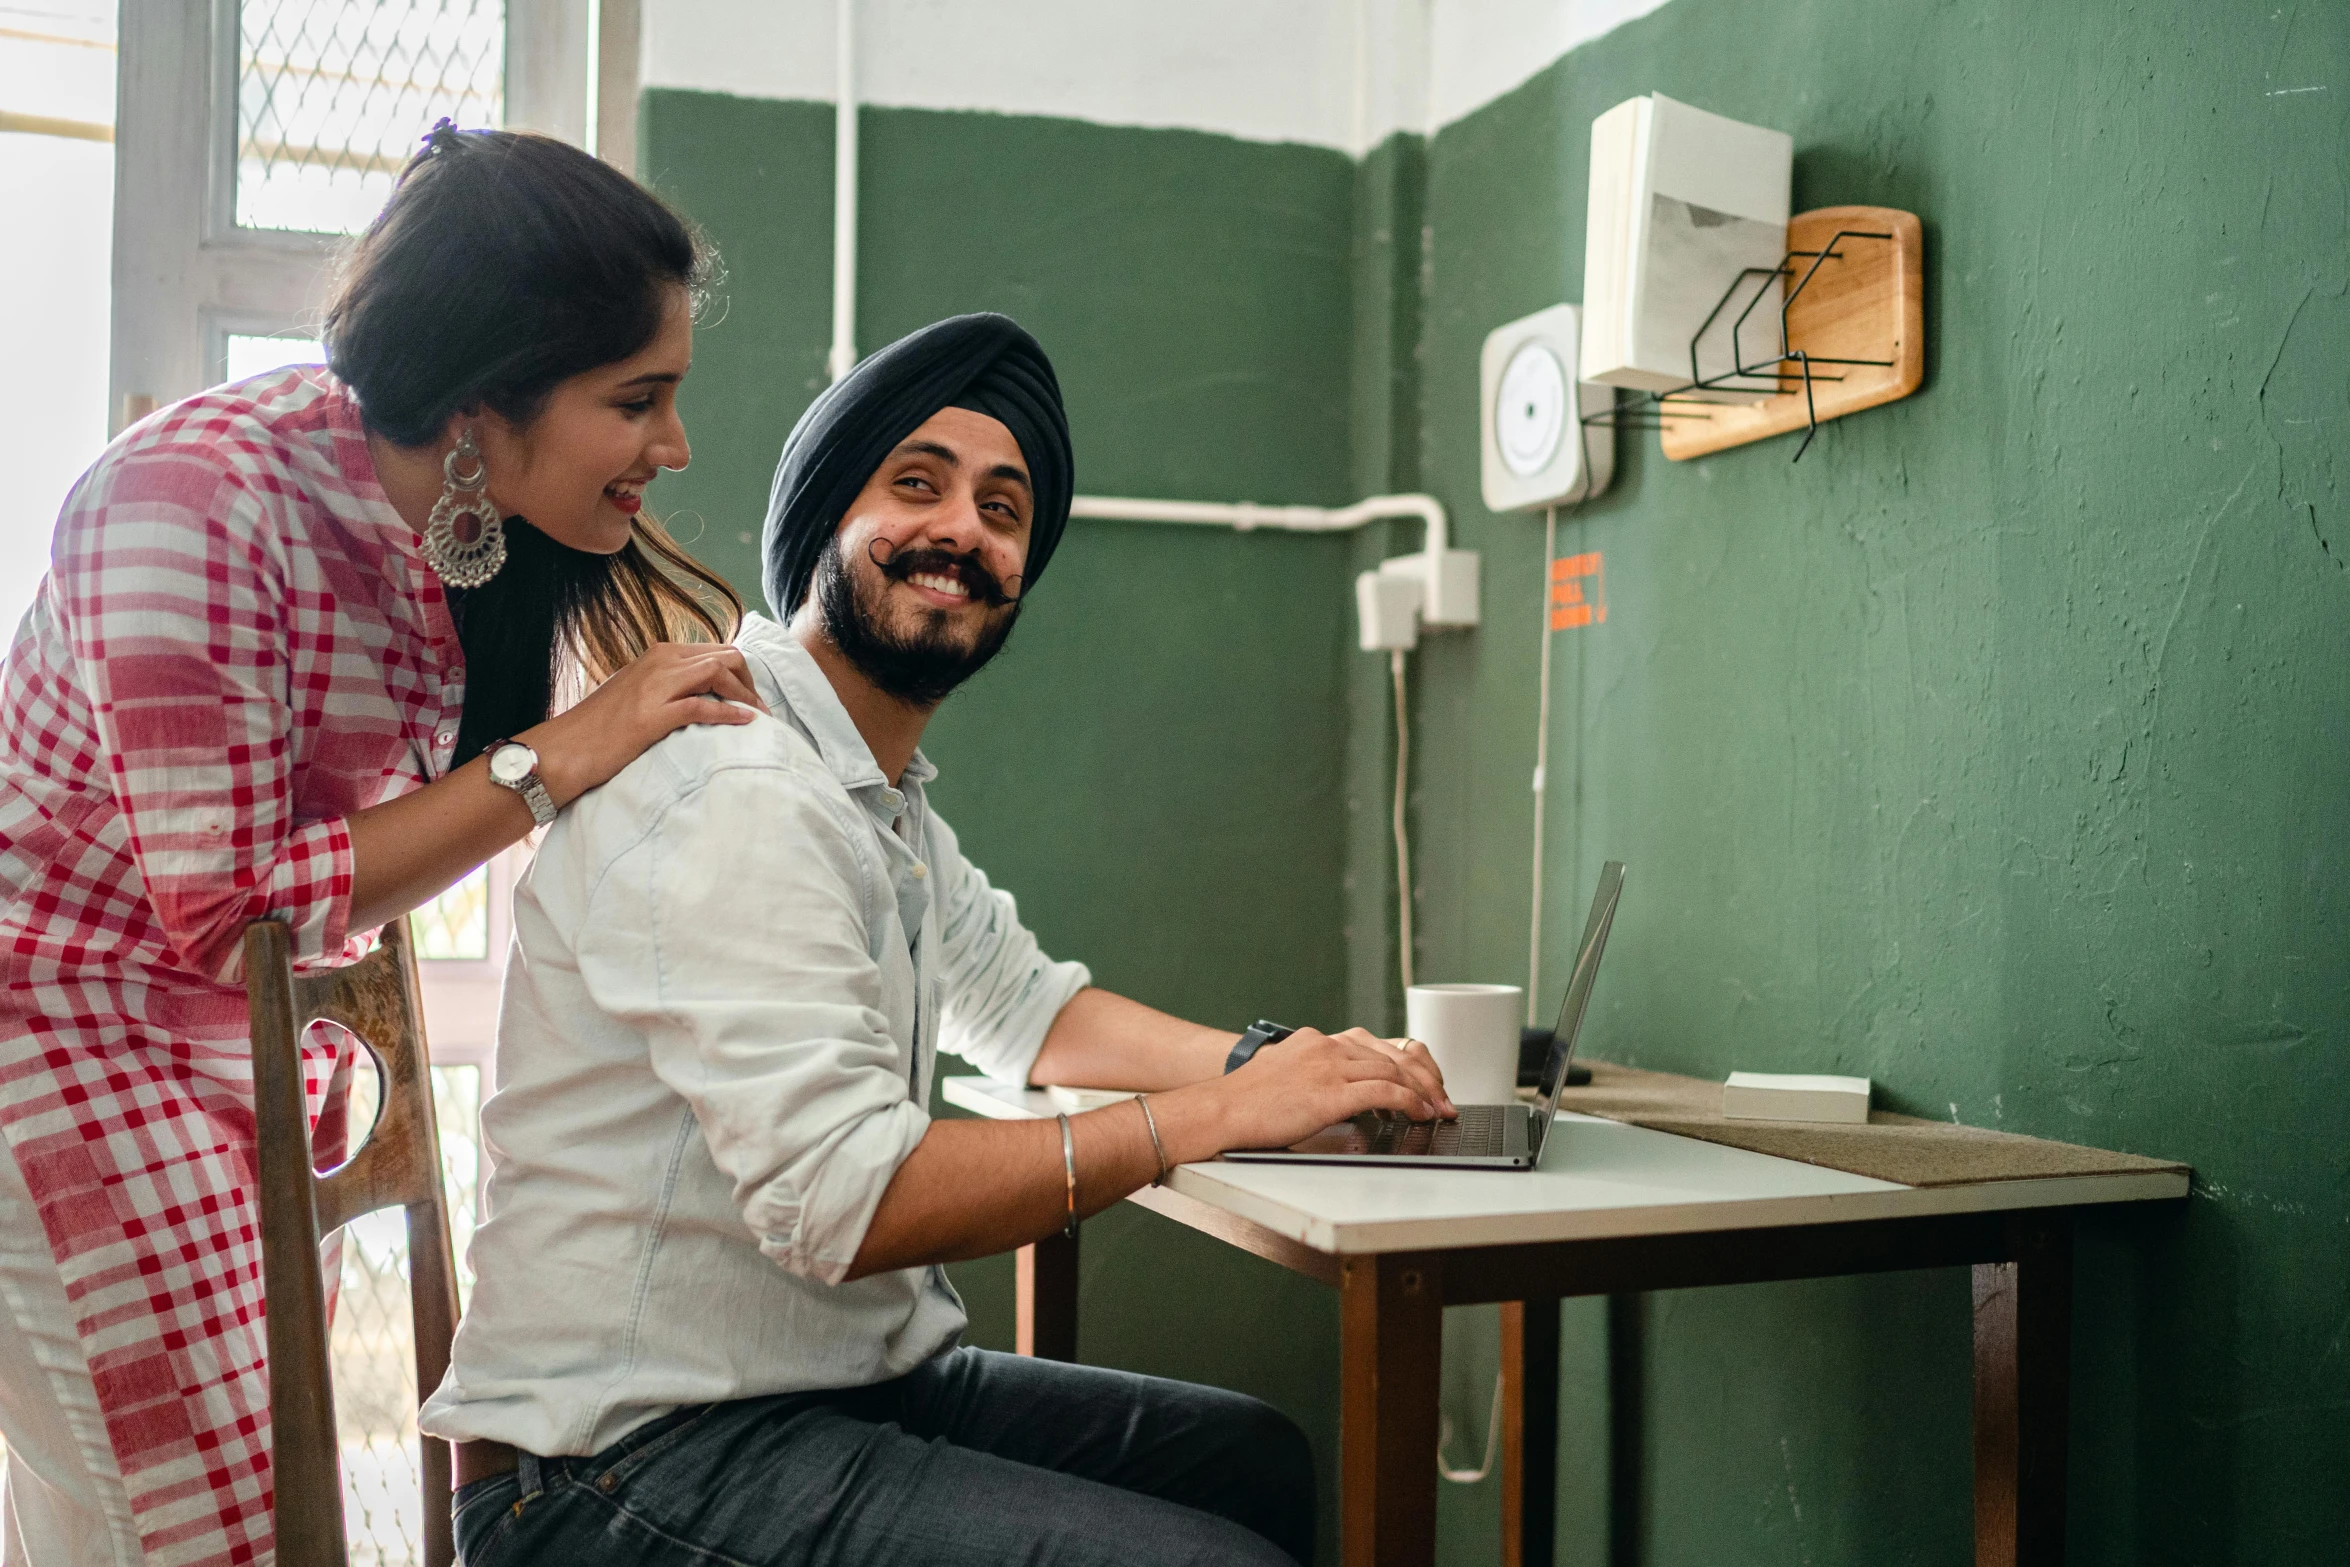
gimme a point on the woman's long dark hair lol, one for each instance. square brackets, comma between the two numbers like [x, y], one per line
[503, 265]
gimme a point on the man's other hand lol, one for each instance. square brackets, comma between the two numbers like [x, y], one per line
[1289, 1091]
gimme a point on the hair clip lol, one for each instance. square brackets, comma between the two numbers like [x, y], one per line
[442, 137]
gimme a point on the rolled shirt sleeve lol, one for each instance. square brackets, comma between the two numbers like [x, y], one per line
[1000, 993]
[174, 614]
[733, 934]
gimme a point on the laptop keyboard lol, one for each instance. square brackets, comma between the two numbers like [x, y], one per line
[1481, 1130]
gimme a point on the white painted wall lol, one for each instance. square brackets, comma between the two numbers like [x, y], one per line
[1331, 73]
[1480, 49]
[1267, 70]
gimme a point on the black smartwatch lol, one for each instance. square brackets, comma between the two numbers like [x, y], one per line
[1260, 1034]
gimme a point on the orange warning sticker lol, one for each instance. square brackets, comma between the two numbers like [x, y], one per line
[1578, 591]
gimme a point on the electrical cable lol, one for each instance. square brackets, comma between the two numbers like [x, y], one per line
[1403, 846]
[1550, 542]
[1550, 549]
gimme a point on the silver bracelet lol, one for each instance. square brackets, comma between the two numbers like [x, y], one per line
[1152, 1122]
[1069, 1168]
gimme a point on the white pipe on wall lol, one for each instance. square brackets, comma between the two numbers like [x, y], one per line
[1248, 516]
[843, 357]
[1447, 595]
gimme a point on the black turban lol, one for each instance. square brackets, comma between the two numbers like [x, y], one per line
[985, 363]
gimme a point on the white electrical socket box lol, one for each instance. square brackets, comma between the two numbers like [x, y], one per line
[1407, 594]
[1448, 585]
[1387, 611]
[1536, 449]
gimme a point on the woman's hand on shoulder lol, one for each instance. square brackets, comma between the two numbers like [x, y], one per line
[672, 685]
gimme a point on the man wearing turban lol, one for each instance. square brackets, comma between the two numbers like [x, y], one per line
[710, 1319]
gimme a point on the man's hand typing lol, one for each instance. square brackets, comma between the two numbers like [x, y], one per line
[1291, 1090]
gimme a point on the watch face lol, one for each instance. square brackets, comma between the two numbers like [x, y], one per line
[513, 763]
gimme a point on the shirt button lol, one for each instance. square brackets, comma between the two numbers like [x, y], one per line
[446, 737]
[920, 870]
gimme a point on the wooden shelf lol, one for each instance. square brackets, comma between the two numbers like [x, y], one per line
[1867, 302]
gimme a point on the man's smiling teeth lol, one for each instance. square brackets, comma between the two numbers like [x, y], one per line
[937, 583]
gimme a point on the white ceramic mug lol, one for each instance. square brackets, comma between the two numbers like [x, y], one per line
[1472, 1031]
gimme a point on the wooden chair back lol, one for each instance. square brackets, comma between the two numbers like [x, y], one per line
[399, 1164]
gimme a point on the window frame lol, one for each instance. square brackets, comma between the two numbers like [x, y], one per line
[186, 276]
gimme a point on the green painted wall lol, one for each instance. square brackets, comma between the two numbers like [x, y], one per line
[1999, 751]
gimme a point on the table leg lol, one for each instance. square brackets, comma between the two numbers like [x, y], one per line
[1627, 1429]
[1529, 1431]
[1391, 1342]
[2023, 1346]
[1045, 1298]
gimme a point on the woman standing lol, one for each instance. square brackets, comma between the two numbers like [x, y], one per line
[295, 657]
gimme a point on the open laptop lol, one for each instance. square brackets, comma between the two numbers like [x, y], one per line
[1486, 1137]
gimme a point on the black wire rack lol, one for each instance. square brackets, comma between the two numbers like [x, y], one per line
[1790, 370]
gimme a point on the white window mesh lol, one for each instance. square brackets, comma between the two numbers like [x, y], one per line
[334, 95]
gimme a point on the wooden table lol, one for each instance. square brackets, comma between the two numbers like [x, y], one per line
[1619, 1208]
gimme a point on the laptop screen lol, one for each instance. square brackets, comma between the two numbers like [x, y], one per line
[1578, 998]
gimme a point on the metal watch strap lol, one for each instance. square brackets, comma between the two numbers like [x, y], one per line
[534, 794]
[1259, 1034]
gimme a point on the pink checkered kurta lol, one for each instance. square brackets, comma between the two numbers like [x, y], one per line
[237, 646]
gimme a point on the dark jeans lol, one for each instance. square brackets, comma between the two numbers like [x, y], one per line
[975, 1457]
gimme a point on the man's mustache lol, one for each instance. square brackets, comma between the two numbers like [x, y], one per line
[983, 584]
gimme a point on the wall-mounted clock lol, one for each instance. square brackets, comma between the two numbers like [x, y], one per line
[1536, 449]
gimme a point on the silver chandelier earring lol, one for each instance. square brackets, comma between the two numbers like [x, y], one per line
[465, 539]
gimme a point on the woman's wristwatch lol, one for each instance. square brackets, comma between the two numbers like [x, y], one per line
[1260, 1034]
[515, 766]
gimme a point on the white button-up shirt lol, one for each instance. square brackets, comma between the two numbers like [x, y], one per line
[732, 968]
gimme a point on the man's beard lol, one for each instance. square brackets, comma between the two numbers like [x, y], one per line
[918, 670]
